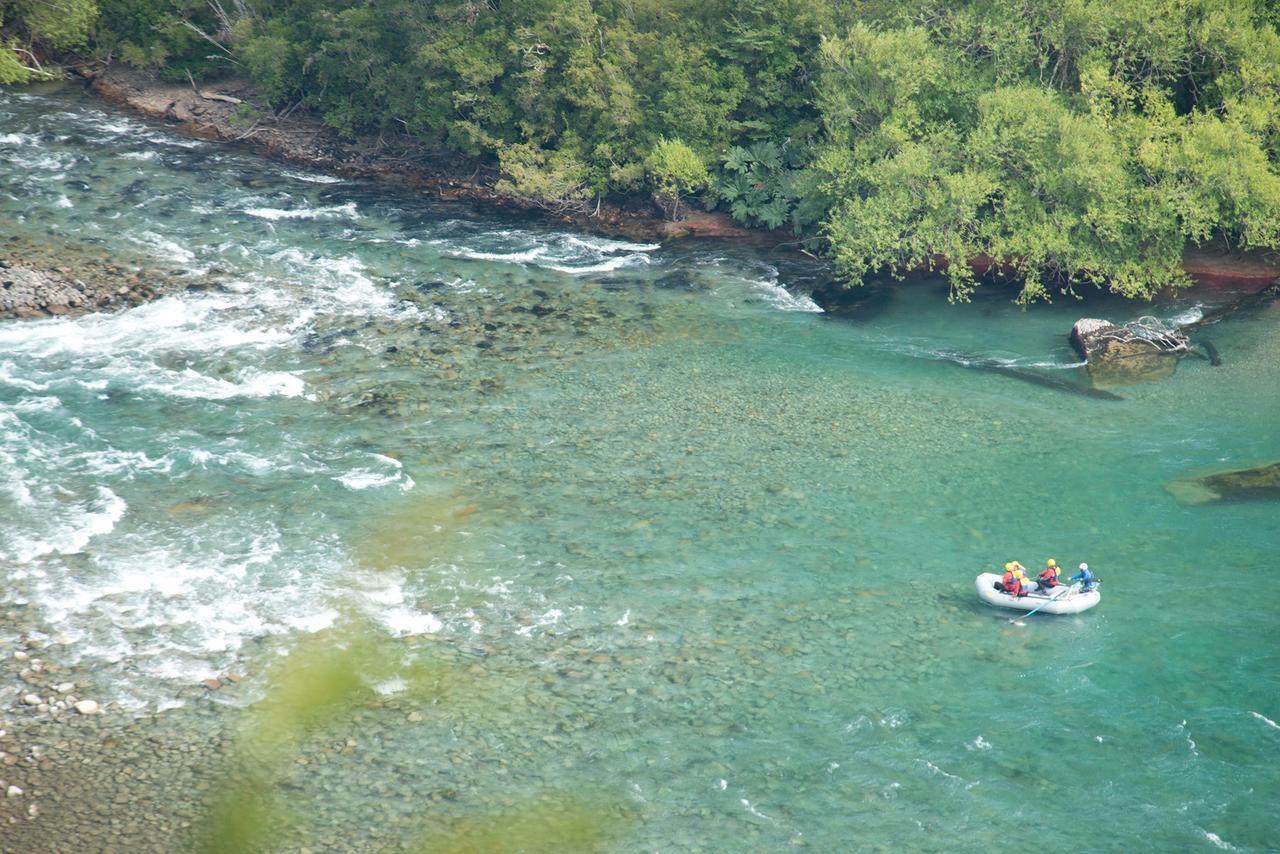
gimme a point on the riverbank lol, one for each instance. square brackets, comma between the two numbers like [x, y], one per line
[224, 111]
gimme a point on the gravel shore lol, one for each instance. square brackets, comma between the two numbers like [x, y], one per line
[51, 280]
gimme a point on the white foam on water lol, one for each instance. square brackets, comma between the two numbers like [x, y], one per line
[563, 253]
[893, 720]
[19, 139]
[386, 605]
[162, 247]
[365, 479]
[174, 141]
[603, 267]
[177, 668]
[781, 298]
[138, 155]
[401, 621]
[550, 618]
[333, 212]
[601, 244]
[746, 805]
[1189, 315]
[187, 324]
[1217, 840]
[9, 377]
[47, 403]
[64, 202]
[117, 464]
[313, 621]
[71, 527]
[311, 177]
[116, 125]
[174, 608]
[342, 278]
[524, 257]
[938, 772]
[979, 743]
[391, 686]
[41, 161]
[1266, 720]
[191, 384]
[1186, 734]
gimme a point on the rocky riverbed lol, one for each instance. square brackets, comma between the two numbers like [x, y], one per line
[616, 516]
[70, 765]
[60, 278]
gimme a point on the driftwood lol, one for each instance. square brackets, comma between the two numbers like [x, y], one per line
[211, 96]
[1139, 351]
[214, 96]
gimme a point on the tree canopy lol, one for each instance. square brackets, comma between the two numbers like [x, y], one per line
[1067, 143]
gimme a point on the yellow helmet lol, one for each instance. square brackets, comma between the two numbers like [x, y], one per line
[1052, 562]
[1008, 567]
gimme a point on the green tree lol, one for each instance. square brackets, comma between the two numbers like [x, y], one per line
[675, 171]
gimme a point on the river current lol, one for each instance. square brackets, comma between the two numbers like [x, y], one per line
[686, 542]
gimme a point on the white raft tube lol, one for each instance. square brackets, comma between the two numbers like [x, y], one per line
[1059, 600]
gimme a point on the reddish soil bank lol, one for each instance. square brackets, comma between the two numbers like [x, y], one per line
[1218, 268]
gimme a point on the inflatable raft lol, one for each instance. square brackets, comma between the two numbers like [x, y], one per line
[1060, 600]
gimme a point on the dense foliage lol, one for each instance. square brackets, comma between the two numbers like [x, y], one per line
[1066, 142]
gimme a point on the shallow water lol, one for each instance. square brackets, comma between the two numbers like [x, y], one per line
[701, 550]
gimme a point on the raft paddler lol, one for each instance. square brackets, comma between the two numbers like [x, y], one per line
[1015, 579]
[1087, 579]
[1049, 576]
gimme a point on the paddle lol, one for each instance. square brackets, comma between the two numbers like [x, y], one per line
[1052, 598]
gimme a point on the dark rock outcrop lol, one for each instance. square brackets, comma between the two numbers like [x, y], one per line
[1136, 352]
[1261, 482]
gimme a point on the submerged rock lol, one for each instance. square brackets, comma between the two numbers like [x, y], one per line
[1240, 485]
[1140, 351]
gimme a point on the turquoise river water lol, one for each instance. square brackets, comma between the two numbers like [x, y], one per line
[702, 550]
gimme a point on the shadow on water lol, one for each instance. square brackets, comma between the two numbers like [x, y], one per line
[1029, 375]
[863, 303]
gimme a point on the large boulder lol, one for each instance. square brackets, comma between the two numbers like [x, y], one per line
[1238, 485]
[1140, 351]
